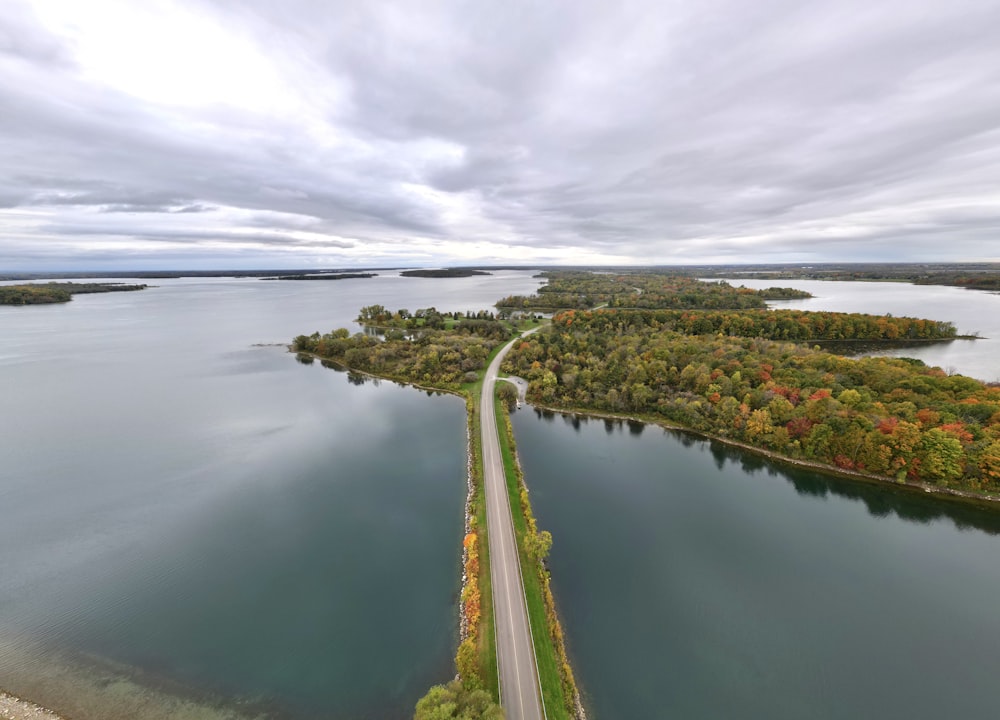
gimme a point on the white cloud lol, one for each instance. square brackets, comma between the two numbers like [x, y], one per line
[351, 133]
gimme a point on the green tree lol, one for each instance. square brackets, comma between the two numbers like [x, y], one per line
[538, 544]
[456, 702]
[941, 455]
[507, 394]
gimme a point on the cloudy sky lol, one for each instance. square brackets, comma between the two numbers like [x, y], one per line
[300, 133]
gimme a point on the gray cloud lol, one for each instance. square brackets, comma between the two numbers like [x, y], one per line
[155, 208]
[685, 132]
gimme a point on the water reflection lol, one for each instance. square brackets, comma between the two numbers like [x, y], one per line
[881, 499]
[857, 348]
[356, 378]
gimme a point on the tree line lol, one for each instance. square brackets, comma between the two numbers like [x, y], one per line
[584, 290]
[427, 318]
[799, 325]
[56, 292]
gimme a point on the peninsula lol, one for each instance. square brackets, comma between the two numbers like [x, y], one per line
[57, 292]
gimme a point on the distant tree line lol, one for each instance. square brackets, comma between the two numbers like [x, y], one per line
[445, 273]
[56, 292]
[976, 276]
[324, 276]
[584, 290]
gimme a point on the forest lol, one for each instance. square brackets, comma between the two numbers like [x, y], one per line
[583, 290]
[891, 417]
[798, 325]
[56, 292]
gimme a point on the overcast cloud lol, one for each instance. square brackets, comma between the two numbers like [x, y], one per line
[296, 133]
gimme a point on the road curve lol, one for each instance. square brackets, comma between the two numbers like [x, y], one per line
[520, 695]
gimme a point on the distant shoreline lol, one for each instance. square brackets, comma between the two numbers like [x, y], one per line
[447, 273]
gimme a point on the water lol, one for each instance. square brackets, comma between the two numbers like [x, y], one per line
[971, 311]
[194, 524]
[696, 581]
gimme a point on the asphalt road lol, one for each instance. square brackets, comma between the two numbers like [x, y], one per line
[520, 696]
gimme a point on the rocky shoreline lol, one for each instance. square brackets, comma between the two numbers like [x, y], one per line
[470, 496]
[14, 708]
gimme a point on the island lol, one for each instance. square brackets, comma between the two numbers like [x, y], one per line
[646, 290]
[444, 273]
[324, 276]
[57, 292]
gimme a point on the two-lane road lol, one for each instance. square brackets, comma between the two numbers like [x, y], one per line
[520, 694]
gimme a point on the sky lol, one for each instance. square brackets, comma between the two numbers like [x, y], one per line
[326, 133]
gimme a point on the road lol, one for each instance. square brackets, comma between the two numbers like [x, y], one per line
[520, 696]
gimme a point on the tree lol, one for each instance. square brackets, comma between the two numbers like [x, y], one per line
[456, 702]
[940, 455]
[989, 462]
[507, 394]
[538, 544]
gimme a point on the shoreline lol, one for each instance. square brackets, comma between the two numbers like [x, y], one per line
[951, 494]
[13, 707]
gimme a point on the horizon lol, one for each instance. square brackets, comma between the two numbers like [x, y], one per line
[972, 266]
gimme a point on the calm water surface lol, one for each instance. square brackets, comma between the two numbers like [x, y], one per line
[193, 509]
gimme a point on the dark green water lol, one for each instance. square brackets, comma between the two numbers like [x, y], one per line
[696, 581]
[216, 521]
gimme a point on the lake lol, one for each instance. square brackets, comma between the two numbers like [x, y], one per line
[196, 525]
[699, 581]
